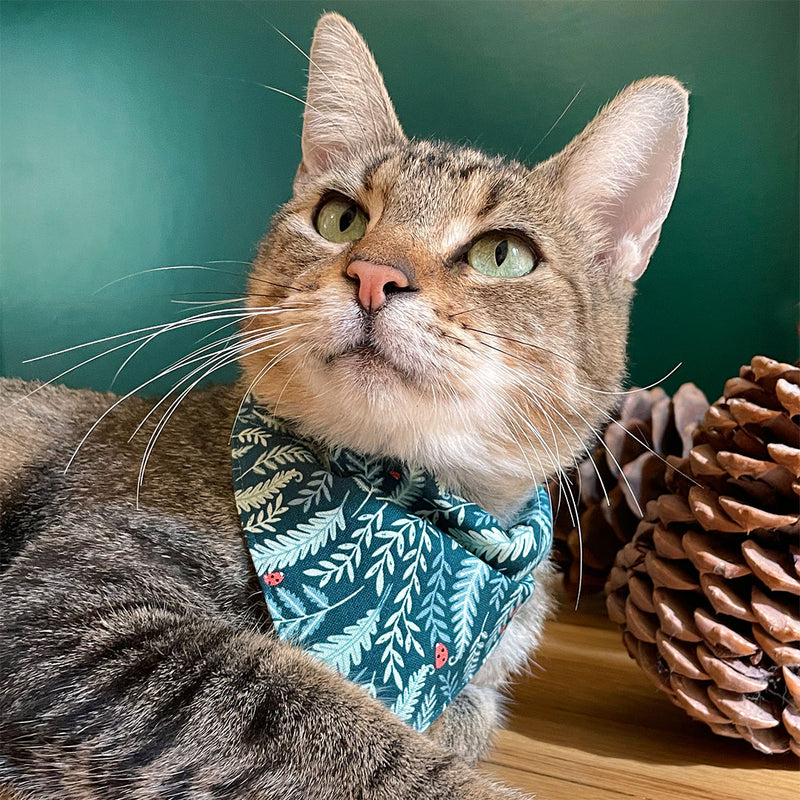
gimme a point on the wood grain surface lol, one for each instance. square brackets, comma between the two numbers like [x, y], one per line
[588, 725]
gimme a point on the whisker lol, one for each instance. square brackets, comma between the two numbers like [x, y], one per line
[569, 361]
[257, 337]
[202, 268]
[251, 82]
[564, 486]
[604, 413]
[525, 344]
[176, 403]
[208, 303]
[238, 314]
[310, 61]
[288, 380]
[571, 427]
[552, 127]
[186, 361]
[555, 459]
[474, 308]
[591, 427]
[259, 375]
[636, 389]
[198, 318]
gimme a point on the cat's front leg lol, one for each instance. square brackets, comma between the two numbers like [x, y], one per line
[467, 725]
[121, 699]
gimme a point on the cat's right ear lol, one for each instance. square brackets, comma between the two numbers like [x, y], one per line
[347, 105]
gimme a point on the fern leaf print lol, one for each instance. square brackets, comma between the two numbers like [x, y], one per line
[374, 568]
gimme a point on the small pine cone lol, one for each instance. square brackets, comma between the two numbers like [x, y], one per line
[708, 591]
[628, 468]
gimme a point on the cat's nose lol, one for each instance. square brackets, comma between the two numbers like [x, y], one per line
[375, 281]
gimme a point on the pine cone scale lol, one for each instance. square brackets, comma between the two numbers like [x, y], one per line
[709, 555]
[785, 655]
[742, 711]
[680, 657]
[772, 567]
[675, 616]
[792, 681]
[780, 619]
[791, 721]
[724, 598]
[722, 638]
[789, 396]
[693, 697]
[786, 456]
[749, 518]
[668, 544]
[729, 674]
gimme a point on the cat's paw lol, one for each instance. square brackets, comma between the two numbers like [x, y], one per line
[487, 789]
[466, 726]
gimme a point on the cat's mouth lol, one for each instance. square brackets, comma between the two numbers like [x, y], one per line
[372, 359]
[395, 348]
[369, 353]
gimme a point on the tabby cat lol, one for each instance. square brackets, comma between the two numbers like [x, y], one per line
[414, 300]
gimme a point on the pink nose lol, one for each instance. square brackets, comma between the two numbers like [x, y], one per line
[374, 280]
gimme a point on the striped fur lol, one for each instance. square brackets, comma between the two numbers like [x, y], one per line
[136, 655]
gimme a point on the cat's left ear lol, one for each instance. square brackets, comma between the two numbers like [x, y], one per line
[621, 173]
[347, 105]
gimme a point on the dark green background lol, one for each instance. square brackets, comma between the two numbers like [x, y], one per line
[136, 136]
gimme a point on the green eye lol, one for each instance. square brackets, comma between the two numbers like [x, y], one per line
[501, 255]
[341, 220]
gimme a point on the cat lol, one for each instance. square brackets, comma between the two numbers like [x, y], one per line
[413, 300]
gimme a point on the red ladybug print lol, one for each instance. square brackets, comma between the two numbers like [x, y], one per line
[395, 474]
[440, 656]
[273, 578]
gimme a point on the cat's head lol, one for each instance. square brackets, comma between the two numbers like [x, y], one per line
[454, 309]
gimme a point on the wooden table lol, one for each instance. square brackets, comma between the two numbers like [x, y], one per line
[588, 725]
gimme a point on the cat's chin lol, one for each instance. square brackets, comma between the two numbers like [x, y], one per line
[368, 367]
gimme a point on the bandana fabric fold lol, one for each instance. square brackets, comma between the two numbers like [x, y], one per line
[373, 568]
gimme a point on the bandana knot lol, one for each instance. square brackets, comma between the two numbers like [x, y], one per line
[371, 566]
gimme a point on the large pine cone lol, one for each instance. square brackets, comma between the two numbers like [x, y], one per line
[708, 591]
[624, 471]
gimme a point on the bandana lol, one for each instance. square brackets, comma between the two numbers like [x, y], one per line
[372, 567]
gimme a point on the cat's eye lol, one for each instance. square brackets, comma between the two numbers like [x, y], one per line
[341, 220]
[502, 255]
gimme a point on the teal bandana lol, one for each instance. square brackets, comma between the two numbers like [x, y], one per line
[372, 567]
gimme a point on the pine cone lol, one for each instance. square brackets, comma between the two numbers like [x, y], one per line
[648, 427]
[708, 591]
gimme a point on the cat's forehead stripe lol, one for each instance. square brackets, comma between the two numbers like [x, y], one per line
[372, 168]
[492, 198]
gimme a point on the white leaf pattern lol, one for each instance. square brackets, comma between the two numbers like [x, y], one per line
[377, 570]
[343, 650]
[253, 497]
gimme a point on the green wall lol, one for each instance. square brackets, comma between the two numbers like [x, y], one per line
[136, 135]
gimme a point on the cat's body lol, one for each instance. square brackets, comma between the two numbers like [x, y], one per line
[136, 654]
[136, 647]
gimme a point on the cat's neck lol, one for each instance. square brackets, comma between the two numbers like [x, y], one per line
[485, 470]
[503, 491]
[469, 449]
